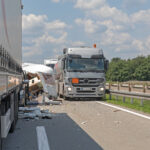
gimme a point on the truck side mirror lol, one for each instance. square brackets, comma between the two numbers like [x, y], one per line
[106, 64]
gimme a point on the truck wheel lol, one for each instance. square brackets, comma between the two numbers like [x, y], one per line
[12, 127]
[99, 98]
[61, 96]
[66, 98]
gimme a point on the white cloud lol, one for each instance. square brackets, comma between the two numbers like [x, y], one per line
[142, 16]
[142, 46]
[130, 4]
[46, 38]
[36, 49]
[89, 4]
[112, 38]
[31, 51]
[107, 12]
[147, 43]
[56, 1]
[89, 25]
[138, 45]
[30, 21]
[56, 24]
[37, 41]
[111, 25]
[117, 34]
[78, 44]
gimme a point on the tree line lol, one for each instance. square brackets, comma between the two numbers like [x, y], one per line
[126, 70]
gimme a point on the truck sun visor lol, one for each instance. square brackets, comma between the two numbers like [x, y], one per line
[75, 56]
[97, 56]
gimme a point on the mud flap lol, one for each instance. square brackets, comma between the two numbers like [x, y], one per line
[12, 109]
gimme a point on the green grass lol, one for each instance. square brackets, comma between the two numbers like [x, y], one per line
[136, 103]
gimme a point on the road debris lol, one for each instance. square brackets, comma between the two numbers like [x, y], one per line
[116, 110]
[117, 122]
[34, 113]
[84, 122]
[48, 101]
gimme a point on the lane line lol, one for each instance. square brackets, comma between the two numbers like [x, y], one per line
[42, 138]
[125, 110]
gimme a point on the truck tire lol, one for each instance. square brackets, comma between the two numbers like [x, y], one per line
[12, 127]
[65, 98]
[61, 96]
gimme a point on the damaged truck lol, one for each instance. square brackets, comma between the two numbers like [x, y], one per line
[10, 64]
[80, 73]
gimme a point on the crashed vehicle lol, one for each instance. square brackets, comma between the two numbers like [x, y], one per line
[41, 78]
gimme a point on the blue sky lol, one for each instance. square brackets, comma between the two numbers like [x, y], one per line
[119, 27]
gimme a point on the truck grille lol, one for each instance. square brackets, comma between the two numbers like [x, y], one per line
[89, 82]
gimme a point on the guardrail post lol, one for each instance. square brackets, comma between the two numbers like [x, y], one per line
[144, 89]
[109, 86]
[142, 102]
[124, 99]
[132, 100]
[110, 96]
[129, 87]
[104, 97]
[116, 97]
[118, 86]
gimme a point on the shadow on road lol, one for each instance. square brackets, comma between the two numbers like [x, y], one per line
[62, 132]
[85, 99]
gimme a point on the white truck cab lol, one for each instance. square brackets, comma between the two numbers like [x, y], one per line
[80, 73]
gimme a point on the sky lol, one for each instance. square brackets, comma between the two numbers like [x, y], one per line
[120, 27]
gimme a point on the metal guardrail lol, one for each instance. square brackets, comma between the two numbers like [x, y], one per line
[132, 95]
[129, 87]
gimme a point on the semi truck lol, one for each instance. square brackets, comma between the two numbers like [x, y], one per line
[80, 73]
[11, 77]
[50, 62]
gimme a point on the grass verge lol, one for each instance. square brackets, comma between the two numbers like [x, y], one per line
[136, 103]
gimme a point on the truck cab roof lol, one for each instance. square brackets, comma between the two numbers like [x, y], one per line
[84, 52]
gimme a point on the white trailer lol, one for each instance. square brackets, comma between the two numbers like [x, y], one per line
[10, 63]
[50, 62]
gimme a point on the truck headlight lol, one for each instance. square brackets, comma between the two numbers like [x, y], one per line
[101, 89]
[69, 89]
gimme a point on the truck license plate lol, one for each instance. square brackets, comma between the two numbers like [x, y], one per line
[86, 89]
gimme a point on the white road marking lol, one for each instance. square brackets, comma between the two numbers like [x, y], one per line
[42, 138]
[125, 110]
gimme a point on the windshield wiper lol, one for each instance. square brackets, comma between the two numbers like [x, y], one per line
[86, 70]
[95, 70]
[76, 70]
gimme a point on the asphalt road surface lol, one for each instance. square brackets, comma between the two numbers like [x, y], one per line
[82, 125]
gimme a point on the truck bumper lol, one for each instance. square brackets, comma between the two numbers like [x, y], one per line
[80, 92]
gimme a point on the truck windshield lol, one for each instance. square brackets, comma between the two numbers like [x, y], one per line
[85, 64]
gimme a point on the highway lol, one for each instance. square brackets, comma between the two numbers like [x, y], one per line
[82, 125]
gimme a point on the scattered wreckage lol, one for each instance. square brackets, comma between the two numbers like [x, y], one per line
[39, 79]
[33, 113]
